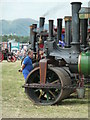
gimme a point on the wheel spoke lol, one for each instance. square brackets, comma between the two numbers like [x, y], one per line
[37, 90]
[56, 81]
[41, 93]
[47, 96]
[52, 93]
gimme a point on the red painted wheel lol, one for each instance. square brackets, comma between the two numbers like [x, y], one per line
[1, 57]
[13, 59]
[9, 58]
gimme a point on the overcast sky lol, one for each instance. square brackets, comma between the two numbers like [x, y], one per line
[51, 9]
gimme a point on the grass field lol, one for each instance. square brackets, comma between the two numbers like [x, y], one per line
[15, 103]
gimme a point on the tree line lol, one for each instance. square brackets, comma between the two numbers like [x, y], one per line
[22, 39]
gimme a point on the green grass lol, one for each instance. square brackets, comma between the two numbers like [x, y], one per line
[15, 103]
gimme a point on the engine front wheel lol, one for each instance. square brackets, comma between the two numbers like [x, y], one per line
[51, 92]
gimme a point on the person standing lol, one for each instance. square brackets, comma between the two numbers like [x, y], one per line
[27, 64]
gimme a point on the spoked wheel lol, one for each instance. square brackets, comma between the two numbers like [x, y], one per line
[9, 58]
[49, 93]
[13, 58]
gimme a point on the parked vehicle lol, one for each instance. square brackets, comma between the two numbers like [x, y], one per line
[6, 55]
[58, 74]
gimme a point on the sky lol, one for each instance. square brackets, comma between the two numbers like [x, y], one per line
[50, 9]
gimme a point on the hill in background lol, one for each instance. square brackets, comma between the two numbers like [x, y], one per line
[19, 27]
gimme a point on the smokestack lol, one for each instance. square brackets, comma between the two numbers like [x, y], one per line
[83, 26]
[59, 29]
[33, 36]
[31, 33]
[34, 26]
[68, 21]
[75, 23]
[50, 29]
[41, 22]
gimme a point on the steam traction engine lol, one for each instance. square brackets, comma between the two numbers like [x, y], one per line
[55, 77]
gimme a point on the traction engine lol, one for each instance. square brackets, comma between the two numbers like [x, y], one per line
[57, 74]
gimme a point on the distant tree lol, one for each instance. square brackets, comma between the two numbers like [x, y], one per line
[21, 39]
[4, 38]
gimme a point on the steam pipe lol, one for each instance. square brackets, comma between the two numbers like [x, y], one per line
[75, 23]
[84, 25]
[68, 22]
[50, 29]
[59, 29]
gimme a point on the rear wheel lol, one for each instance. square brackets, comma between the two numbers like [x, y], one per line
[13, 58]
[9, 58]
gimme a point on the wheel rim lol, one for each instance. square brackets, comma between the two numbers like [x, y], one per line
[9, 58]
[13, 59]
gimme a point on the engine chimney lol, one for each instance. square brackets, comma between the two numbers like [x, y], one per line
[33, 36]
[41, 22]
[75, 23]
[83, 26]
[31, 33]
[34, 26]
[59, 29]
[50, 29]
[34, 46]
[68, 22]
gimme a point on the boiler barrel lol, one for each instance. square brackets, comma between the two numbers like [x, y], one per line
[84, 63]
